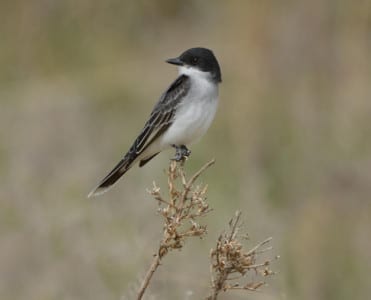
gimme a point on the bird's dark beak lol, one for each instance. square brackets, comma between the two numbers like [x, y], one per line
[175, 61]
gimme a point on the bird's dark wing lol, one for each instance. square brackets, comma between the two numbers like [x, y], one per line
[160, 119]
[162, 114]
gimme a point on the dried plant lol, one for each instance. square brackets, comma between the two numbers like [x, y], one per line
[181, 210]
[230, 263]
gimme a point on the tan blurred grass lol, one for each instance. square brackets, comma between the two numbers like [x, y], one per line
[294, 124]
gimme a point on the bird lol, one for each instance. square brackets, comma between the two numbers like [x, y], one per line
[181, 116]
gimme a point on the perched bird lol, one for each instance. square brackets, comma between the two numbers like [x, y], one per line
[182, 115]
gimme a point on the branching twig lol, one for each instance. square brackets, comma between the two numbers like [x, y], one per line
[229, 259]
[180, 213]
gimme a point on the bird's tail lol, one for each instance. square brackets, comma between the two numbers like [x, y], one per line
[107, 182]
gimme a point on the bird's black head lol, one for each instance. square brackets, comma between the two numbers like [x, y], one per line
[200, 58]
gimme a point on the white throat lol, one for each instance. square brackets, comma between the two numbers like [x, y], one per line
[194, 73]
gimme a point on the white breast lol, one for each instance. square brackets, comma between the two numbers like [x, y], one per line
[195, 113]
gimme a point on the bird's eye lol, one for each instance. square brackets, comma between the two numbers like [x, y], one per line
[194, 60]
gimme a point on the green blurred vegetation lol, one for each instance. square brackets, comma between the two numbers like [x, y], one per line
[291, 140]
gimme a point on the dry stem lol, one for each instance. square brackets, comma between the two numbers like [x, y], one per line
[229, 262]
[180, 212]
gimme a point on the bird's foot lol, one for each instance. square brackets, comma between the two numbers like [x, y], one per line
[181, 153]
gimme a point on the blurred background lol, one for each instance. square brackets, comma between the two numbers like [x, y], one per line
[291, 140]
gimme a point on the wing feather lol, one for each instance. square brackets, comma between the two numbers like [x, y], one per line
[162, 115]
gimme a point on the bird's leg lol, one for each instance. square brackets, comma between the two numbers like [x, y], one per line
[181, 152]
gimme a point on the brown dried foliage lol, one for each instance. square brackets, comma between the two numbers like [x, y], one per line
[181, 210]
[231, 263]
[185, 204]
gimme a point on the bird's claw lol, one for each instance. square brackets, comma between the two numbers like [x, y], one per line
[181, 153]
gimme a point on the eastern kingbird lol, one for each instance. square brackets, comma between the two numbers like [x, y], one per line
[182, 115]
